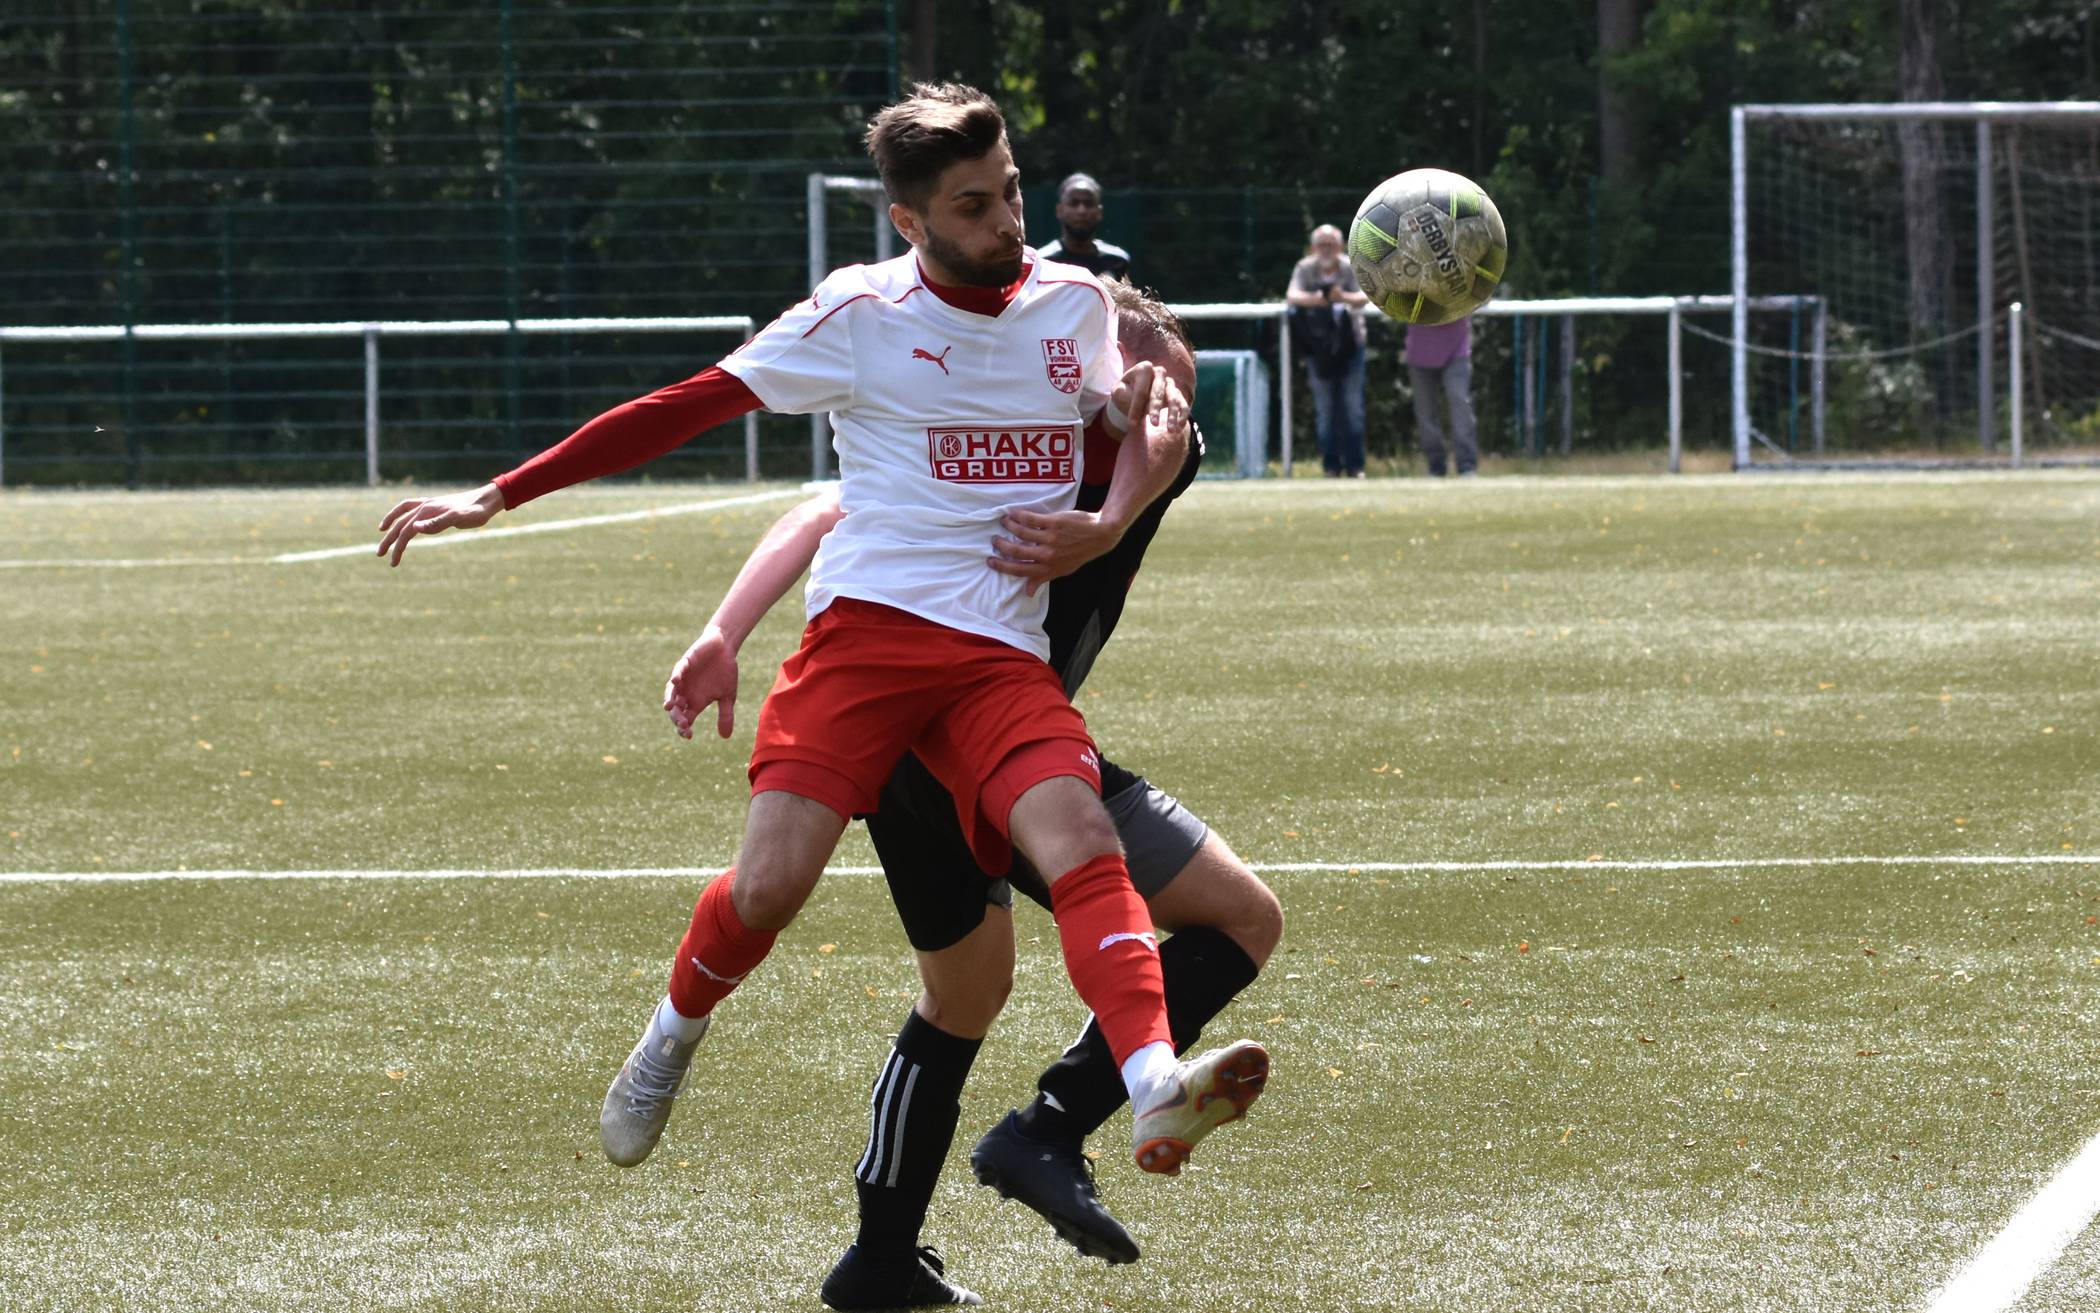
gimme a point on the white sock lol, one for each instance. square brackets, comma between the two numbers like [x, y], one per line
[1148, 1074]
[677, 1025]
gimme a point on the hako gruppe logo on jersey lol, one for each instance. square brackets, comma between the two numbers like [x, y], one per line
[1061, 362]
[1004, 453]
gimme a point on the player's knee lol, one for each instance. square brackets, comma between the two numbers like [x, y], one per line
[767, 895]
[1093, 832]
[1252, 916]
[1060, 824]
[967, 1013]
[1218, 890]
[1261, 927]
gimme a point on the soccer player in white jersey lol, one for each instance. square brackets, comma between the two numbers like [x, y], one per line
[1223, 921]
[966, 382]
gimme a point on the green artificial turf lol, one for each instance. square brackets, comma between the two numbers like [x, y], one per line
[1659, 1075]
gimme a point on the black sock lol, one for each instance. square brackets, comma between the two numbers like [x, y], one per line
[912, 1117]
[1203, 970]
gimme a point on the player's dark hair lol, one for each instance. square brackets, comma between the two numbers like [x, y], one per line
[1140, 312]
[939, 124]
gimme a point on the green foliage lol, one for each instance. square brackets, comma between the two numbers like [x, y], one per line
[432, 159]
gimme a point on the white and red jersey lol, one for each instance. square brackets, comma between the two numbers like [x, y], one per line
[943, 421]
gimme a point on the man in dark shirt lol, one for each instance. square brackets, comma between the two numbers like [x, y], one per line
[1078, 218]
[1224, 920]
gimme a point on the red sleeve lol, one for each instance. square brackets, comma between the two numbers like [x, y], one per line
[631, 435]
[1101, 449]
[1101, 446]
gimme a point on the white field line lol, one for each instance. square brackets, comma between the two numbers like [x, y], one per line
[439, 540]
[1694, 863]
[121, 563]
[1994, 1280]
[1547, 483]
[1284, 868]
[1998, 1276]
[547, 526]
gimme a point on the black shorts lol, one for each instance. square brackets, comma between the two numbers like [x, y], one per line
[940, 891]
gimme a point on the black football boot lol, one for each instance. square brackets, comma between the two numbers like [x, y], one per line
[913, 1279]
[1055, 1180]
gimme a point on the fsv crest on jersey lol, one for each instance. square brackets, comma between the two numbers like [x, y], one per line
[1061, 362]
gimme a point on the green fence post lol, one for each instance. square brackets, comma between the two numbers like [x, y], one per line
[512, 278]
[224, 413]
[889, 33]
[127, 211]
[1516, 380]
[1793, 377]
[1250, 273]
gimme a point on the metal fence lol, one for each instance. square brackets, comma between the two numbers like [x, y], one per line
[170, 163]
[174, 163]
[144, 455]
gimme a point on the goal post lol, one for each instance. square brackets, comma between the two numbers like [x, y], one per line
[822, 189]
[1918, 224]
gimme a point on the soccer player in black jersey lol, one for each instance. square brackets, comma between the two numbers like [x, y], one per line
[1078, 219]
[1224, 921]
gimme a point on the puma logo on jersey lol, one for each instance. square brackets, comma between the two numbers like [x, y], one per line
[921, 353]
[1143, 937]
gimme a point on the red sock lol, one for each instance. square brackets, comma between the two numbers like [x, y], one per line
[718, 951]
[1111, 954]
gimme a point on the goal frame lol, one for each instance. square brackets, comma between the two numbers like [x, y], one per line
[1982, 114]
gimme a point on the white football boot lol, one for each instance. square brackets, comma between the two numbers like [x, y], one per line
[638, 1104]
[1204, 1094]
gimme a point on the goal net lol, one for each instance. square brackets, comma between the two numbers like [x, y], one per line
[1919, 226]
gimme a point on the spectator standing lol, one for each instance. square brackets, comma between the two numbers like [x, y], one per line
[1079, 213]
[1327, 329]
[1440, 359]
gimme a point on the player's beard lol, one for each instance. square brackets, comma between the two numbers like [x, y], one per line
[1079, 234]
[973, 272]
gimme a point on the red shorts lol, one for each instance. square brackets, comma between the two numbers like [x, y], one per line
[871, 682]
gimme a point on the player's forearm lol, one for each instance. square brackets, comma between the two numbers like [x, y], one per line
[630, 435]
[780, 558]
[1147, 463]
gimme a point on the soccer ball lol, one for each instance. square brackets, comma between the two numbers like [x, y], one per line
[1428, 246]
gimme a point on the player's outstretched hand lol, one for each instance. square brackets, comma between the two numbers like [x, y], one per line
[461, 510]
[705, 674]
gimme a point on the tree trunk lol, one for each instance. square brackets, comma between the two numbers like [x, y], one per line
[1918, 75]
[1618, 129]
[925, 45]
[1479, 161]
